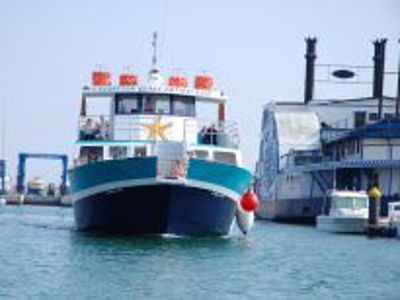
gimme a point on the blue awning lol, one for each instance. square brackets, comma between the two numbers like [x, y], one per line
[389, 128]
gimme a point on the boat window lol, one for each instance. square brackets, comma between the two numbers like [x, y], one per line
[342, 203]
[202, 154]
[350, 202]
[128, 104]
[148, 106]
[90, 154]
[163, 105]
[183, 106]
[360, 118]
[117, 152]
[351, 147]
[389, 116]
[360, 203]
[225, 157]
[373, 116]
[157, 104]
[358, 149]
[140, 151]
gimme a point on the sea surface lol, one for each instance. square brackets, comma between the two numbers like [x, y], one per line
[42, 256]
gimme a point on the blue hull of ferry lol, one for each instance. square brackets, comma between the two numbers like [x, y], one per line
[125, 196]
[157, 209]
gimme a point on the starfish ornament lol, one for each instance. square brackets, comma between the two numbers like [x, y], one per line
[157, 129]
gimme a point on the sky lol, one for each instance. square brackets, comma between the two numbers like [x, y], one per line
[253, 49]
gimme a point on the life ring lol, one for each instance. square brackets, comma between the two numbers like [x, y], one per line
[178, 169]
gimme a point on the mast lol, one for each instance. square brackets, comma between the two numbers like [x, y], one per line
[154, 45]
[155, 78]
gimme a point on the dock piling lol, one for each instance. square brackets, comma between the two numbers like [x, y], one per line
[374, 228]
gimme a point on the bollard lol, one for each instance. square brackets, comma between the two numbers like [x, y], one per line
[374, 195]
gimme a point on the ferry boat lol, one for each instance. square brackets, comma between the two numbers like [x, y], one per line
[309, 148]
[152, 166]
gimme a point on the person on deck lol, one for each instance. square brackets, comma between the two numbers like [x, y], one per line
[90, 130]
[212, 132]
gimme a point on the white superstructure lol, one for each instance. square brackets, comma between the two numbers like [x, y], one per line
[143, 118]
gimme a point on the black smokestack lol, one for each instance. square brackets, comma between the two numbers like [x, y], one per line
[310, 68]
[379, 72]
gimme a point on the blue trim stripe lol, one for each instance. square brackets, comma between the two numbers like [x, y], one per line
[234, 178]
[231, 177]
[345, 164]
[102, 172]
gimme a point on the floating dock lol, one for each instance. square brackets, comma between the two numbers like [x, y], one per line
[17, 199]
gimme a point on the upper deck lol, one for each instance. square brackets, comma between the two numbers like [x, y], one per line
[203, 87]
[157, 110]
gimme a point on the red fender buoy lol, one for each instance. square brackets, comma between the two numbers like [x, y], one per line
[249, 201]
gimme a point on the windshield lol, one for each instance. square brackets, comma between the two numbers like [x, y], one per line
[360, 203]
[127, 104]
[349, 202]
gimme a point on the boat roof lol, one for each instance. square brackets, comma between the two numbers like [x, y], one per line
[387, 101]
[202, 95]
[346, 194]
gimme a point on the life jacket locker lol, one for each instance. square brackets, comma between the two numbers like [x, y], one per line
[177, 81]
[128, 79]
[203, 82]
[101, 78]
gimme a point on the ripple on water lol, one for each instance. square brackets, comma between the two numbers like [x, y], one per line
[42, 256]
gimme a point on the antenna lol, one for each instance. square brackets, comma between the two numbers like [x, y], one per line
[154, 45]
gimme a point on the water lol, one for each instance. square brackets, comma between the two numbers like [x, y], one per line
[43, 257]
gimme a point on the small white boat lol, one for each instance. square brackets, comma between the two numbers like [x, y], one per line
[394, 216]
[348, 213]
[37, 186]
[2, 201]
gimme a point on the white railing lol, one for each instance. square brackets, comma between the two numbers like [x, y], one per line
[94, 127]
[99, 127]
[218, 133]
[191, 130]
